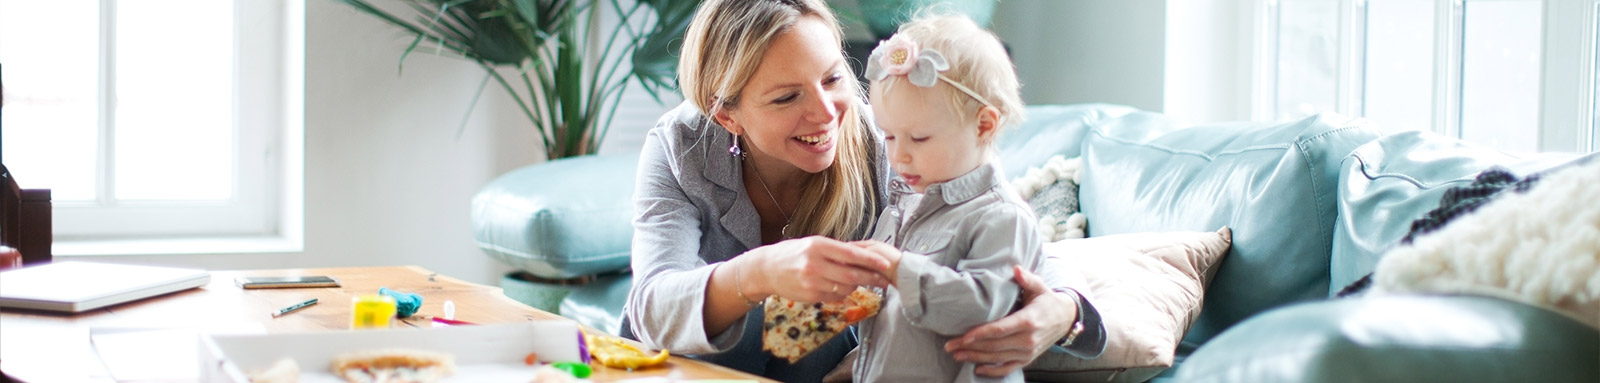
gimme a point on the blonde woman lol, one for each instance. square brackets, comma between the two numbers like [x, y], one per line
[755, 186]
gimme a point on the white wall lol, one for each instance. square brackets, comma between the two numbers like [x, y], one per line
[1086, 50]
[387, 180]
[1208, 61]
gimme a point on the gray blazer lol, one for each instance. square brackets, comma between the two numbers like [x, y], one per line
[691, 212]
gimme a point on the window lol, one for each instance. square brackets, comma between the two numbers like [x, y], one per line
[156, 119]
[1516, 75]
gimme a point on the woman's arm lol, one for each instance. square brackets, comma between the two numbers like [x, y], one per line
[670, 279]
[1010, 343]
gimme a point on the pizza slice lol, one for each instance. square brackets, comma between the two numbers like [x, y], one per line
[792, 329]
[393, 365]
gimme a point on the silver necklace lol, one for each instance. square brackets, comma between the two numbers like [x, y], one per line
[784, 232]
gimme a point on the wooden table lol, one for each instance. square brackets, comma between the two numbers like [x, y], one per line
[50, 347]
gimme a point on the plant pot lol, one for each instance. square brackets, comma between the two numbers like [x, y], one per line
[883, 17]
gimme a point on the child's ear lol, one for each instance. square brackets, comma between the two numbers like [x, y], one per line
[988, 124]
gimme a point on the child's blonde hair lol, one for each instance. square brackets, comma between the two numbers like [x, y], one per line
[978, 61]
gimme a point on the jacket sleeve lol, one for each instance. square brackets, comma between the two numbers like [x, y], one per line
[1092, 341]
[950, 301]
[666, 304]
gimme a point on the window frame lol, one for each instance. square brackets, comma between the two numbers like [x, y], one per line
[1567, 116]
[265, 213]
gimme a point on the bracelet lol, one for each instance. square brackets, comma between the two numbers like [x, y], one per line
[738, 287]
[1077, 322]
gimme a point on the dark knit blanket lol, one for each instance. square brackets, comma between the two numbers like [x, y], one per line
[1456, 202]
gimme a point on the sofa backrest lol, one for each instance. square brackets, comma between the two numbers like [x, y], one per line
[1051, 130]
[1272, 183]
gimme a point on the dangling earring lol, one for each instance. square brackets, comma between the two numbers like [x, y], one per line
[734, 148]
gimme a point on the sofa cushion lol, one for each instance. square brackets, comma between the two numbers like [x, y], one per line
[1272, 183]
[1400, 339]
[1386, 184]
[1148, 289]
[559, 219]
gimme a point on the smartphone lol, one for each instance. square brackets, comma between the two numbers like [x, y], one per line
[286, 282]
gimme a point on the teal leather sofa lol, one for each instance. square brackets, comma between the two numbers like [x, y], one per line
[1313, 203]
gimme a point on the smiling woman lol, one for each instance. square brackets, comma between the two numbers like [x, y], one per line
[131, 118]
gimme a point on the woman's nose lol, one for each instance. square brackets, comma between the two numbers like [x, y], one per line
[826, 108]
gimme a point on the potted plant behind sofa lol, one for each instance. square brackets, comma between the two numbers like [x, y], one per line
[883, 17]
[565, 69]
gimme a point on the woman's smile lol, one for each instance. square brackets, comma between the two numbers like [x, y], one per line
[816, 143]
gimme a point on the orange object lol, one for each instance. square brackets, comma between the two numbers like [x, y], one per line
[856, 314]
[531, 359]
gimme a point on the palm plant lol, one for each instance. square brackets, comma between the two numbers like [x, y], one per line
[555, 58]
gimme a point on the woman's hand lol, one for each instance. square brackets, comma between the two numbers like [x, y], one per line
[814, 269]
[1005, 345]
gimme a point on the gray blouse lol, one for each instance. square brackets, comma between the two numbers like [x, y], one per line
[691, 211]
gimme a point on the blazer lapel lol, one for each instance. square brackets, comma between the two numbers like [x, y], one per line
[723, 169]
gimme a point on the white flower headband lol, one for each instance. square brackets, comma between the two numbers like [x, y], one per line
[900, 56]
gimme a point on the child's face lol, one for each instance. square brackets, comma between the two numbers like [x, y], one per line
[928, 141]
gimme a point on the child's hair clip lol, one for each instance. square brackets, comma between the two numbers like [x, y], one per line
[900, 56]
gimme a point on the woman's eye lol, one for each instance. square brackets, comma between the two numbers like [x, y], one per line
[785, 99]
[888, 138]
[917, 139]
[832, 80]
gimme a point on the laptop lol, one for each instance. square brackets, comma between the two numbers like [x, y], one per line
[81, 286]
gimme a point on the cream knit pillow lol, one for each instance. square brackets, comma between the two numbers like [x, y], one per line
[1540, 247]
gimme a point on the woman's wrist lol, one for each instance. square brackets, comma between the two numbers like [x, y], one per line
[1070, 328]
[739, 281]
[750, 282]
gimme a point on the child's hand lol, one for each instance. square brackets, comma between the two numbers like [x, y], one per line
[888, 253]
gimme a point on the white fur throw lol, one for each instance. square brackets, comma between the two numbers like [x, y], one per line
[1541, 247]
[1059, 225]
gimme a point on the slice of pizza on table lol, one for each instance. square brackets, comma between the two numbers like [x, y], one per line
[792, 329]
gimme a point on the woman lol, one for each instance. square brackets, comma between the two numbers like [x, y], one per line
[755, 185]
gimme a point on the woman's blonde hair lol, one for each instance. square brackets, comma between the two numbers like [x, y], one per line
[724, 45]
[977, 60]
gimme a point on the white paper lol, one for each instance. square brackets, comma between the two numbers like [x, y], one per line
[483, 353]
[155, 353]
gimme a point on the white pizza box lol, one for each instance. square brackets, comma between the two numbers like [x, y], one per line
[483, 353]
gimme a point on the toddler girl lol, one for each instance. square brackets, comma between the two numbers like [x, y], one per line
[941, 90]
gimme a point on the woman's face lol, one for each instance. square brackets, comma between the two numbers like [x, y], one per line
[790, 110]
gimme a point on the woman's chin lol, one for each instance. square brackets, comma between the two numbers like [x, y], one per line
[816, 163]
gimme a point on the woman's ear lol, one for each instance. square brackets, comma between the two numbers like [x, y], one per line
[725, 118]
[988, 124]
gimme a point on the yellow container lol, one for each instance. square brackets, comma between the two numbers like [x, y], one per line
[371, 311]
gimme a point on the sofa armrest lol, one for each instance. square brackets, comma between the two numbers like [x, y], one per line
[560, 219]
[1400, 339]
